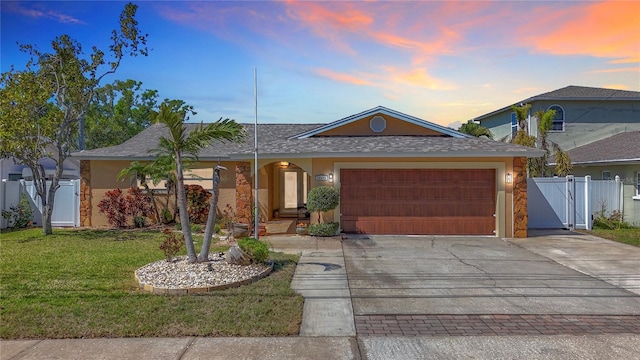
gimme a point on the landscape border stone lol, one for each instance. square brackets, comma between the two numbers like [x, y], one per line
[202, 290]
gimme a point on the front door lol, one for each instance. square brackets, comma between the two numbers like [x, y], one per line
[293, 191]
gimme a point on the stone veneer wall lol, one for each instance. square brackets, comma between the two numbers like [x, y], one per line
[520, 215]
[244, 193]
[85, 193]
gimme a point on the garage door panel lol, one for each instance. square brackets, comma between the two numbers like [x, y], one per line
[433, 208]
[420, 225]
[418, 201]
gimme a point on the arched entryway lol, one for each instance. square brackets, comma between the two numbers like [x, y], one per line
[291, 187]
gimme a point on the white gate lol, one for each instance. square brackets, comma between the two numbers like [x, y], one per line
[570, 202]
[66, 207]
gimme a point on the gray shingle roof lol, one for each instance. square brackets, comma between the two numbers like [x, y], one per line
[622, 147]
[275, 140]
[587, 93]
[573, 92]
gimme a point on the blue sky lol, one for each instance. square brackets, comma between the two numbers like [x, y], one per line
[317, 62]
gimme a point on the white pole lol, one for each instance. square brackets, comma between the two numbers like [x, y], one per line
[256, 209]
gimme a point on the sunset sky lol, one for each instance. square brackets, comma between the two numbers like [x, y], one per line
[441, 61]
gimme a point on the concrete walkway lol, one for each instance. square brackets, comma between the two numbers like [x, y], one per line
[341, 283]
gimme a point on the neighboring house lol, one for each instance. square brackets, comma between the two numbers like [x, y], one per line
[9, 170]
[598, 127]
[583, 115]
[617, 155]
[397, 174]
[17, 179]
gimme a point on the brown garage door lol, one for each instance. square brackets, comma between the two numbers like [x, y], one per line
[418, 201]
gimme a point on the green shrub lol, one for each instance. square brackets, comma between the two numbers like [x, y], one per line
[19, 216]
[256, 249]
[140, 221]
[322, 198]
[324, 229]
[167, 217]
[611, 222]
[195, 228]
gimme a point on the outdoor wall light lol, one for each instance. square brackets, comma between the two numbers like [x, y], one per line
[330, 177]
[509, 178]
[284, 164]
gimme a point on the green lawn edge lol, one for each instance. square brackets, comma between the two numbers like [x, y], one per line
[80, 284]
[630, 236]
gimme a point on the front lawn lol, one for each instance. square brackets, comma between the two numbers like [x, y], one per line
[629, 236]
[80, 283]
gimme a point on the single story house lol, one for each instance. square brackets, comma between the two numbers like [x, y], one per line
[397, 174]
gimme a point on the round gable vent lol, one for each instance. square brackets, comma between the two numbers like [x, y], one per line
[378, 124]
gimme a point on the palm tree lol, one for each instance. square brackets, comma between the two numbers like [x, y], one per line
[185, 145]
[477, 130]
[537, 166]
[563, 162]
[162, 168]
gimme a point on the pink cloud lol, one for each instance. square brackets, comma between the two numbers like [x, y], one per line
[342, 77]
[635, 70]
[601, 29]
[617, 86]
[333, 22]
[418, 77]
[626, 61]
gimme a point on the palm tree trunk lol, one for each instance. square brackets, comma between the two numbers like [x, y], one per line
[182, 209]
[211, 218]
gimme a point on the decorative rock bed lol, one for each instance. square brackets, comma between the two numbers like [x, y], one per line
[180, 277]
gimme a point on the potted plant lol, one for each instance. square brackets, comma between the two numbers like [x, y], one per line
[322, 199]
[234, 228]
[301, 228]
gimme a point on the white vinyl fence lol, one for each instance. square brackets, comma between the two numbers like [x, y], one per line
[66, 207]
[570, 202]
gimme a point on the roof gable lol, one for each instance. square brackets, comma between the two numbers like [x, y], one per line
[380, 121]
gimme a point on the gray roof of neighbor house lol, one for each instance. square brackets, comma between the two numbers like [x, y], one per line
[573, 92]
[620, 148]
[278, 141]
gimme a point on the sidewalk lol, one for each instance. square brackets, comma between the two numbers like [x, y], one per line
[321, 348]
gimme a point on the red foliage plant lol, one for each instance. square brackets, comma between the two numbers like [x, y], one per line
[197, 203]
[115, 207]
[119, 208]
[171, 244]
[138, 203]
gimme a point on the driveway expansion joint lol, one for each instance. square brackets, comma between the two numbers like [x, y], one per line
[495, 325]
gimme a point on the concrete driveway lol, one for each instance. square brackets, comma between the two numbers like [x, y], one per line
[484, 297]
[471, 275]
